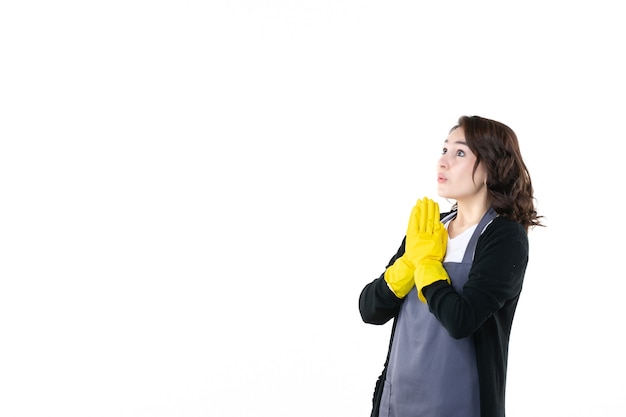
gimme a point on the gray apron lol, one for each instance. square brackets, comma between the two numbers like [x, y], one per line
[431, 374]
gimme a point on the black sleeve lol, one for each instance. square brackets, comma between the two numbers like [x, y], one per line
[496, 277]
[377, 303]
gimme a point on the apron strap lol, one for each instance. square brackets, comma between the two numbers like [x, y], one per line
[471, 246]
[449, 217]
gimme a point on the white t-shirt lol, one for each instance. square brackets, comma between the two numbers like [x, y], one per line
[457, 245]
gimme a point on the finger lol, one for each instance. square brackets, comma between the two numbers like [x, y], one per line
[414, 219]
[430, 222]
[444, 236]
[423, 214]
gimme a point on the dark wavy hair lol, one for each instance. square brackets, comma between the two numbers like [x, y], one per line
[509, 188]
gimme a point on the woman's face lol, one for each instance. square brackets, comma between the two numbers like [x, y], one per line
[454, 170]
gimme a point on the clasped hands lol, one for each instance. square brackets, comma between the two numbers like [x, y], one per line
[425, 248]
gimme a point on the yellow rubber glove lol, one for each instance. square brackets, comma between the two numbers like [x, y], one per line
[432, 241]
[400, 276]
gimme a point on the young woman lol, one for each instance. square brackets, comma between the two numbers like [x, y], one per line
[454, 283]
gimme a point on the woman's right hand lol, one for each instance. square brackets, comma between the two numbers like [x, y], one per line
[400, 275]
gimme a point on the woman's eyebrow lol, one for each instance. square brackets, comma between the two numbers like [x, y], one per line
[460, 142]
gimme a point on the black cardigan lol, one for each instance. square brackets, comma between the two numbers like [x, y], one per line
[484, 309]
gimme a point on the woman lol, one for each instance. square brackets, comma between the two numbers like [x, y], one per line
[453, 286]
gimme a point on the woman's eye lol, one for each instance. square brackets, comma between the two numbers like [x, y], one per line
[460, 153]
[443, 152]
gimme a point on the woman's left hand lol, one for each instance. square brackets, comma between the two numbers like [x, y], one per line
[432, 241]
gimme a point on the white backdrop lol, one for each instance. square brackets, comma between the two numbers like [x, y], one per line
[194, 193]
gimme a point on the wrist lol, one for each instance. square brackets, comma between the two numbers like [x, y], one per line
[427, 272]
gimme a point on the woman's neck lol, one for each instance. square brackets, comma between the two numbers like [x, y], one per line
[467, 216]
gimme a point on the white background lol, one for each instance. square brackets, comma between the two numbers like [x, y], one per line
[194, 193]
